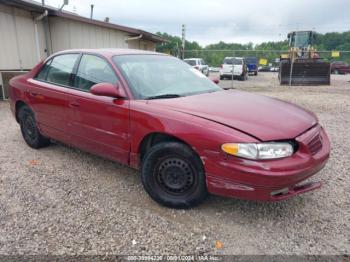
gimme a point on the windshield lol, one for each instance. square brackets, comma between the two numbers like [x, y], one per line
[340, 63]
[150, 76]
[301, 39]
[191, 62]
[229, 60]
[251, 60]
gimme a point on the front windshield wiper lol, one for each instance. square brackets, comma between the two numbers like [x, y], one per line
[163, 96]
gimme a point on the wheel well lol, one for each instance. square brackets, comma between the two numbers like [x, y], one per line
[153, 139]
[19, 104]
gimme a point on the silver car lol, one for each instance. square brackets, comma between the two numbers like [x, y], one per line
[199, 64]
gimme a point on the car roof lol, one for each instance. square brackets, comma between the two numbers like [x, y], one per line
[193, 59]
[112, 51]
[230, 57]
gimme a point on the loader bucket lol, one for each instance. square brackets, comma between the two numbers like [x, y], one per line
[305, 72]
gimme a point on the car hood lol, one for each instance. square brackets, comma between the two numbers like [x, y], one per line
[265, 118]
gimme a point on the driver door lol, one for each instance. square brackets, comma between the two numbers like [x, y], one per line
[98, 124]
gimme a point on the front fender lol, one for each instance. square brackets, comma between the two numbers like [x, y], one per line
[204, 136]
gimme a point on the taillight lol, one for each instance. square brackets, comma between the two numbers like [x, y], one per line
[222, 66]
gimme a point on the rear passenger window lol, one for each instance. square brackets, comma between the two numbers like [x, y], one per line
[61, 68]
[93, 70]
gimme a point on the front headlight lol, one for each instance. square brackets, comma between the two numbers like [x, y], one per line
[257, 151]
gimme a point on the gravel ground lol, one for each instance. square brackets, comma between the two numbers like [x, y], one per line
[59, 200]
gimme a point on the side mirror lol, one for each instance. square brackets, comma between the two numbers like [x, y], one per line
[214, 79]
[107, 89]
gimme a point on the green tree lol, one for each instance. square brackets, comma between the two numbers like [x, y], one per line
[215, 53]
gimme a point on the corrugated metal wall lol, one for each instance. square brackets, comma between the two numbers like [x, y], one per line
[148, 45]
[17, 39]
[68, 34]
[142, 44]
[18, 44]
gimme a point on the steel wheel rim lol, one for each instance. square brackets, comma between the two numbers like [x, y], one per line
[29, 128]
[175, 176]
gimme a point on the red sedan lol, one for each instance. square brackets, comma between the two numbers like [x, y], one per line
[187, 136]
[339, 67]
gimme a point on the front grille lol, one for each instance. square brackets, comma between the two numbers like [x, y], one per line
[315, 144]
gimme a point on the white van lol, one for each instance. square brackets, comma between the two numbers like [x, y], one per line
[239, 68]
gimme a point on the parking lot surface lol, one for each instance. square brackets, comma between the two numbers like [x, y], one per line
[59, 200]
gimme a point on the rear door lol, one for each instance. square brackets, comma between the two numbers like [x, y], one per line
[205, 67]
[48, 95]
[98, 124]
[227, 66]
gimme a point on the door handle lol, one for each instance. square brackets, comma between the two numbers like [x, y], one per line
[33, 94]
[74, 104]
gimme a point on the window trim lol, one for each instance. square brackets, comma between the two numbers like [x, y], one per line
[74, 71]
[50, 59]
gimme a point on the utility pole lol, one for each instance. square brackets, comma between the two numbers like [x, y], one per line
[233, 69]
[177, 50]
[43, 2]
[183, 41]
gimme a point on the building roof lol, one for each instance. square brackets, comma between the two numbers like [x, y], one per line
[34, 6]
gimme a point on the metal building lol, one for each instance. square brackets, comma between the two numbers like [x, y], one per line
[29, 32]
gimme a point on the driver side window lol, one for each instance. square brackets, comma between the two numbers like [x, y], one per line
[93, 70]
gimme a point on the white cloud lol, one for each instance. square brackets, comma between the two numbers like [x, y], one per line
[211, 21]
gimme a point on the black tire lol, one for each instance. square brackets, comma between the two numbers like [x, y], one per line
[256, 73]
[173, 175]
[29, 129]
[244, 77]
[222, 77]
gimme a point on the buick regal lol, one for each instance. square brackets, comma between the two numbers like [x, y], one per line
[186, 135]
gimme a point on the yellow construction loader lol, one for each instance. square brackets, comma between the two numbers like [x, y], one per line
[303, 65]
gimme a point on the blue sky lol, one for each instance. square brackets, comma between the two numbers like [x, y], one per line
[211, 21]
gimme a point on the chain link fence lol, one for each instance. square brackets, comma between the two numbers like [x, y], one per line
[267, 60]
[214, 58]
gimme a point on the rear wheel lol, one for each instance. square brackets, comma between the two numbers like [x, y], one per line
[29, 129]
[173, 175]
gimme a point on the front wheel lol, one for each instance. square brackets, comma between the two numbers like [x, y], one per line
[29, 129]
[173, 175]
[244, 77]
